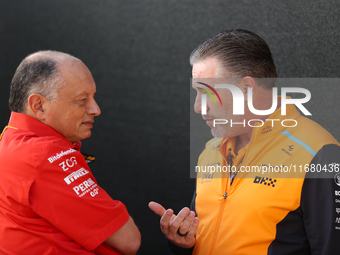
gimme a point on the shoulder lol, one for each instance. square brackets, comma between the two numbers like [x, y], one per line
[48, 148]
[312, 134]
[213, 142]
[26, 150]
[210, 153]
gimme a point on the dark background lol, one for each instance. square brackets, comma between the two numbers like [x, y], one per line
[138, 54]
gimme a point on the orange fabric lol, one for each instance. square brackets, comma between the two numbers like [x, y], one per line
[245, 221]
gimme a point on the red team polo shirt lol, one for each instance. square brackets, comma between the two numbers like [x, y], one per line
[50, 203]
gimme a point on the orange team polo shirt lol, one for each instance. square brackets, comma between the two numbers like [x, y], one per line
[50, 203]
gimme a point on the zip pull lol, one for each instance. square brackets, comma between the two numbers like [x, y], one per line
[223, 197]
[230, 159]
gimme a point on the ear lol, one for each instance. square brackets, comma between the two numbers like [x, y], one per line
[35, 106]
[248, 82]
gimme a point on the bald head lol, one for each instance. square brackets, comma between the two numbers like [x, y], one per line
[39, 73]
[56, 56]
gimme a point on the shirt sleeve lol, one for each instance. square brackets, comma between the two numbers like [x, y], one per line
[320, 201]
[66, 195]
[104, 249]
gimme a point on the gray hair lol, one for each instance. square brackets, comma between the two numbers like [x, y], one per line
[37, 74]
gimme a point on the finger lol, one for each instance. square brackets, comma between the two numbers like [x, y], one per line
[165, 220]
[184, 228]
[192, 231]
[157, 208]
[176, 223]
[173, 217]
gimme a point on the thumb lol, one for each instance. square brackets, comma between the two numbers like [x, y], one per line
[157, 208]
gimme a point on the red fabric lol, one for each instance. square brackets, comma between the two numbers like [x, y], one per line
[104, 249]
[50, 203]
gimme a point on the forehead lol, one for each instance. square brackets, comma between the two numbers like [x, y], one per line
[206, 68]
[77, 78]
[206, 71]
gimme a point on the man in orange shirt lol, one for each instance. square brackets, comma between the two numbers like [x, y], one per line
[240, 210]
[50, 203]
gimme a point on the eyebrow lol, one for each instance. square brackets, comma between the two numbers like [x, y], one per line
[80, 95]
[206, 91]
[212, 90]
[84, 93]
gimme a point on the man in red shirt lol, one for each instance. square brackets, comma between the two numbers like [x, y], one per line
[50, 203]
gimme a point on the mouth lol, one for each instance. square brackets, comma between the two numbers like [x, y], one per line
[88, 123]
[209, 121]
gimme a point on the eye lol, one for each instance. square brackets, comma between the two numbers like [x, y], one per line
[82, 101]
[201, 90]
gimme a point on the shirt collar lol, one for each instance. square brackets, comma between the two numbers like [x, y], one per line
[24, 122]
[264, 132]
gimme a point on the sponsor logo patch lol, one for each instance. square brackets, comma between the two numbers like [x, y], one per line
[85, 187]
[89, 158]
[59, 155]
[75, 175]
[337, 179]
[265, 181]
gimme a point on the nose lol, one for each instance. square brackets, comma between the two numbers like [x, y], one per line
[93, 108]
[198, 104]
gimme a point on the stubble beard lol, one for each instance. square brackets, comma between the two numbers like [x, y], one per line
[220, 132]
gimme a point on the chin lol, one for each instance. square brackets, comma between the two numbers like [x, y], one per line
[83, 137]
[219, 133]
[88, 135]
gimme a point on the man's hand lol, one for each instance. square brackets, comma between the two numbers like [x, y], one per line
[178, 229]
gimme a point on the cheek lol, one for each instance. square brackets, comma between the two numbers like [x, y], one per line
[76, 114]
[222, 112]
[228, 107]
[69, 121]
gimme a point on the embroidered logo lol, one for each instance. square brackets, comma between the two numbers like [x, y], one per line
[265, 181]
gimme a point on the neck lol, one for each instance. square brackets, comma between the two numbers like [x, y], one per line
[242, 141]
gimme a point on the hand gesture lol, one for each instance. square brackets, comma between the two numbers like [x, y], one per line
[179, 229]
